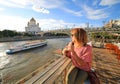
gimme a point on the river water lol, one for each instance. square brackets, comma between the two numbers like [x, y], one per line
[16, 66]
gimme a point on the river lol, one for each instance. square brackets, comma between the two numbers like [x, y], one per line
[16, 66]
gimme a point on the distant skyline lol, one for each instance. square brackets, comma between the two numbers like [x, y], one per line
[55, 14]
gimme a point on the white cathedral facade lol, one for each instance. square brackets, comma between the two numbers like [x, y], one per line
[32, 27]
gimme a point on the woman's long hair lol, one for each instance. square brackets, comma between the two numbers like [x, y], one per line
[80, 35]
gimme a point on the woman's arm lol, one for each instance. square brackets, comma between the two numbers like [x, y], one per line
[79, 61]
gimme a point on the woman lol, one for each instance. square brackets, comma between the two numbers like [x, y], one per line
[81, 55]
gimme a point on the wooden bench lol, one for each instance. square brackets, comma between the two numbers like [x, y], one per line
[54, 73]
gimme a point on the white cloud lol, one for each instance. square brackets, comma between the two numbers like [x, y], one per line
[49, 23]
[21, 2]
[52, 24]
[19, 23]
[12, 23]
[1, 9]
[40, 3]
[76, 13]
[40, 9]
[36, 5]
[95, 14]
[44, 5]
[14, 3]
[41, 6]
[49, 3]
[109, 2]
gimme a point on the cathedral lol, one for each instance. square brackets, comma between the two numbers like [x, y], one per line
[32, 27]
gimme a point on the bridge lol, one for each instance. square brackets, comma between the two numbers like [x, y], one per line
[66, 31]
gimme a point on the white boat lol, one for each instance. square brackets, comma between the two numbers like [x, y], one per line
[26, 47]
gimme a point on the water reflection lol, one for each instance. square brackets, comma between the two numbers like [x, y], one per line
[3, 61]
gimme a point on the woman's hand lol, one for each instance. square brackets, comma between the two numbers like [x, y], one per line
[71, 46]
[67, 48]
[64, 51]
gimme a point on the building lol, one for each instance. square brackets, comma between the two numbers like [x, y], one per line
[32, 27]
[112, 23]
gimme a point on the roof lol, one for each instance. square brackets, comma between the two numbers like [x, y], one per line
[32, 19]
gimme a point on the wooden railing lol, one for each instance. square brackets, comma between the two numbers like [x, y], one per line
[55, 73]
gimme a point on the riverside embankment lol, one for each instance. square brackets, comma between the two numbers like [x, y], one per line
[9, 39]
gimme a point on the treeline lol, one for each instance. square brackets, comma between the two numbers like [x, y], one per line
[10, 33]
[105, 36]
[55, 34]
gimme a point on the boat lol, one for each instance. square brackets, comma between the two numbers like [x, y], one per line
[26, 46]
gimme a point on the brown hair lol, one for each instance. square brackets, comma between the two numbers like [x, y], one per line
[80, 35]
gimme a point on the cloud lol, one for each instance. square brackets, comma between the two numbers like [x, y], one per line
[40, 9]
[41, 6]
[109, 2]
[76, 13]
[49, 3]
[21, 2]
[14, 3]
[95, 14]
[37, 5]
[44, 5]
[12, 22]
[1, 9]
[52, 24]
[19, 23]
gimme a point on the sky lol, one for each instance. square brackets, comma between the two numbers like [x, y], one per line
[57, 14]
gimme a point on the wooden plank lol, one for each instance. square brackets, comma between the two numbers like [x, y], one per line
[50, 72]
[29, 76]
[52, 75]
[57, 73]
[42, 73]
